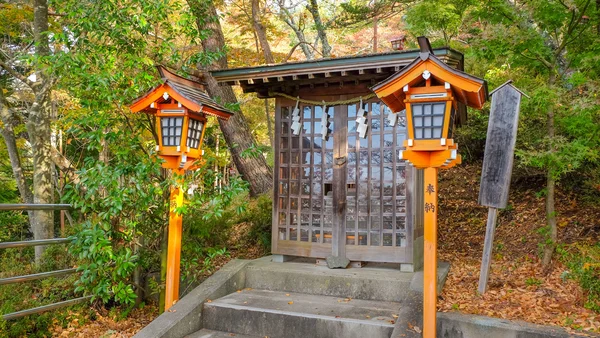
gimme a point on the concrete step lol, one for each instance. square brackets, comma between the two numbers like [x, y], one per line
[296, 315]
[373, 282]
[204, 333]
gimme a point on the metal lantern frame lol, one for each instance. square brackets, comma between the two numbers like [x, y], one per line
[178, 154]
[179, 98]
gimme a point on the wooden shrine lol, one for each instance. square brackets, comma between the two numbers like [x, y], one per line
[338, 178]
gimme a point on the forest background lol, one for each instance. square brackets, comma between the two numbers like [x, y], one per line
[69, 69]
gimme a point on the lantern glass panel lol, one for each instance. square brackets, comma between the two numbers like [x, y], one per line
[171, 130]
[194, 133]
[428, 119]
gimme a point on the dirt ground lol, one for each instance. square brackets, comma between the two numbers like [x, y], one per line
[518, 287]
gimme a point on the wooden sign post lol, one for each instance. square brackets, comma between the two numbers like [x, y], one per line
[497, 164]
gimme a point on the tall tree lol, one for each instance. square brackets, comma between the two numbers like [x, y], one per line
[38, 82]
[254, 167]
[313, 8]
[286, 16]
[261, 34]
[549, 45]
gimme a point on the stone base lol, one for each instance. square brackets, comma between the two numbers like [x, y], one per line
[334, 262]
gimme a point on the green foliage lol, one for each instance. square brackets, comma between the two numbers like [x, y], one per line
[532, 281]
[21, 296]
[583, 263]
[259, 215]
[208, 219]
[123, 201]
[472, 135]
[438, 18]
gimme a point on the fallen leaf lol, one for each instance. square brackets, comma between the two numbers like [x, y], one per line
[291, 302]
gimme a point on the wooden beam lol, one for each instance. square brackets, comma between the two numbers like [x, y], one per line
[430, 252]
[361, 71]
[327, 74]
[280, 78]
[265, 80]
[488, 243]
[311, 76]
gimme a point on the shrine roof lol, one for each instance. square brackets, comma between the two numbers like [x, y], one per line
[359, 69]
[191, 94]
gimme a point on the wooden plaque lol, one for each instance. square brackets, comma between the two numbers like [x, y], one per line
[500, 147]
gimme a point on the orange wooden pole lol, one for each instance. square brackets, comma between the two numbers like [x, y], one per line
[430, 254]
[174, 246]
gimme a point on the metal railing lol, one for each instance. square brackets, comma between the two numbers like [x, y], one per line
[36, 276]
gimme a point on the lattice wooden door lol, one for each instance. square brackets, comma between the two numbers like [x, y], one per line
[375, 208]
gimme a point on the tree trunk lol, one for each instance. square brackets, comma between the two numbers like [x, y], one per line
[551, 241]
[313, 8]
[269, 127]
[13, 153]
[375, 29]
[236, 132]
[38, 128]
[260, 33]
[264, 45]
[598, 16]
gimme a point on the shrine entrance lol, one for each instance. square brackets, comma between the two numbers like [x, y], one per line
[373, 206]
[345, 189]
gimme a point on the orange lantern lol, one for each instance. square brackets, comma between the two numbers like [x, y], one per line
[430, 91]
[180, 107]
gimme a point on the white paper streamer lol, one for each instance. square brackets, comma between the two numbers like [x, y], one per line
[296, 119]
[361, 121]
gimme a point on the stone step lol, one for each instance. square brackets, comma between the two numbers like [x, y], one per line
[296, 315]
[204, 333]
[373, 282]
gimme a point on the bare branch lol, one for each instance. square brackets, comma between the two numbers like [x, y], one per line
[296, 46]
[16, 75]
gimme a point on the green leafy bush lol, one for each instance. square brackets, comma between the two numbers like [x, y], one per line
[259, 215]
[583, 263]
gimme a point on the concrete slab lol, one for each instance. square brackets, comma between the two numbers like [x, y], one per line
[184, 317]
[458, 325]
[294, 315]
[368, 283]
[416, 284]
[204, 333]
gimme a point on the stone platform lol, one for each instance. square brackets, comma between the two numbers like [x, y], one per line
[296, 298]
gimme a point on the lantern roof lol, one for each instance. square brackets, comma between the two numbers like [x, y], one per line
[190, 94]
[469, 90]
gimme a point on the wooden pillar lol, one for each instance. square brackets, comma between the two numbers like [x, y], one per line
[174, 246]
[340, 164]
[430, 253]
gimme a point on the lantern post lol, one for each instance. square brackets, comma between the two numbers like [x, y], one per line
[430, 91]
[180, 107]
